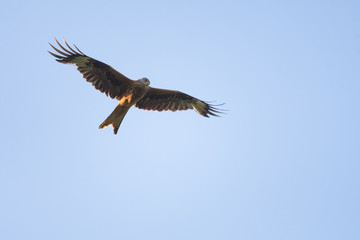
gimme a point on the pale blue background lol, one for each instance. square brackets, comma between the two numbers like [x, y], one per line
[283, 163]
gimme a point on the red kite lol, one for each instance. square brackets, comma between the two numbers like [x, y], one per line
[128, 92]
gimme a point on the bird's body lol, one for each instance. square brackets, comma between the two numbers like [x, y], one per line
[128, 92]
[130, 97]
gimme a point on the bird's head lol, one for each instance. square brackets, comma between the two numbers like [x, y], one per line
[144, 81]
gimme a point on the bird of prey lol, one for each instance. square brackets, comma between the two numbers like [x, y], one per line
[128, 92]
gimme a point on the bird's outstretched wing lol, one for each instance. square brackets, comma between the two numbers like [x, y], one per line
[162, 100]
[102, 76]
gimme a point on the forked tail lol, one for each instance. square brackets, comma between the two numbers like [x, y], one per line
[115, 118]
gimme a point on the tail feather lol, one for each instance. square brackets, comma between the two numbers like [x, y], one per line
[115, 118]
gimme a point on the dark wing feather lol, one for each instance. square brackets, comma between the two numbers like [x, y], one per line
[102, 76]
[163, 100]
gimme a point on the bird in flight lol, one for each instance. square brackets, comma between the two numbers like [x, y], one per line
[128, 92]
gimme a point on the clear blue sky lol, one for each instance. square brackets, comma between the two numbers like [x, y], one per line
[282, 164]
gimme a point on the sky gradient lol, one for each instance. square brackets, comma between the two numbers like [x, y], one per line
[282, 163]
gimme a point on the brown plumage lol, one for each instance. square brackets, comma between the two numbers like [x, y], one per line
[128, 92]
